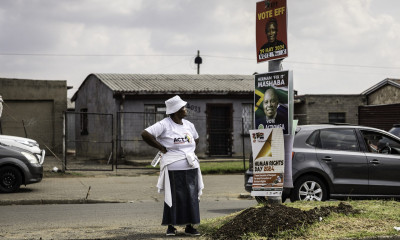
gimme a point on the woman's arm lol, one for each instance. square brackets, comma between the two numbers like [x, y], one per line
[151, 140]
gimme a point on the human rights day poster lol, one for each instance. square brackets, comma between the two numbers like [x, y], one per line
[268, 162]
[273, 100]
[271, 30]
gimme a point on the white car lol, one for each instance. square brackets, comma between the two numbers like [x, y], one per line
[26, 144]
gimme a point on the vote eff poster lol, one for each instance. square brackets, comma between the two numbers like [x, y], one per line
[268, 161]
[271, 30]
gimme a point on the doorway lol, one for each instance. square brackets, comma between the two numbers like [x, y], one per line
[219, 129]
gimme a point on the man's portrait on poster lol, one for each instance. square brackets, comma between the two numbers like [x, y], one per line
[276, 115]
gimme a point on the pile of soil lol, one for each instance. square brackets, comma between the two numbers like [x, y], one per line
[269, 219]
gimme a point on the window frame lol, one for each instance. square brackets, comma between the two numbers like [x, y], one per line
[84, 121]
[337, 117]
[248, 124]
[151, 117]
[368, 149]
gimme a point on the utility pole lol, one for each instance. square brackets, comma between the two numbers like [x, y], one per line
[274, 65]
[198, 61]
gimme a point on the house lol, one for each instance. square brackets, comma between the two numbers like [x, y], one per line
[378, 106]
[34, 109]
[328, 108]
[220, 106]
[382, 108]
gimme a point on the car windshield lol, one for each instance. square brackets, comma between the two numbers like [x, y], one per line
[395, 131]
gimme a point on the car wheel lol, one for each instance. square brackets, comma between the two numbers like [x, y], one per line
[10, 179]
[309, 188]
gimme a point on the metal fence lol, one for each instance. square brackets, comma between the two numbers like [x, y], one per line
[97, 141]
[132, 151]
[89, 141]
[223, 137]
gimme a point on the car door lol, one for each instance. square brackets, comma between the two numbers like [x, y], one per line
[340, 156]
[384, 163]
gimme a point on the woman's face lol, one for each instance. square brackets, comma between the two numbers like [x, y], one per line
[182, 112]
[271, 32]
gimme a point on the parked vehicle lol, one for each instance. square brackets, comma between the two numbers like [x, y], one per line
[342, 161]
[25, 144]
[18, 167]
[395, 130]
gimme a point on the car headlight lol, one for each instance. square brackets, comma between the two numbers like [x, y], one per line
[30, 157]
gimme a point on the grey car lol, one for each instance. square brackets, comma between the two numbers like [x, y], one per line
[18, 167]
[342, 161]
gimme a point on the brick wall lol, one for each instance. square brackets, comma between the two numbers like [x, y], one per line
[314, 109]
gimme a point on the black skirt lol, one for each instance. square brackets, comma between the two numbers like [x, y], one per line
[185, 201]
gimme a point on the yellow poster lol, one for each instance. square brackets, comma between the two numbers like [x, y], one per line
[268, 161]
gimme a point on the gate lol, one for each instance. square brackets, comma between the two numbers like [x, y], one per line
[89, 144]
[132, 151]
[379, 116]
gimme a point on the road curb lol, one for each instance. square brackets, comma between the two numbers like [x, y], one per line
[54, 201]
[245, 196]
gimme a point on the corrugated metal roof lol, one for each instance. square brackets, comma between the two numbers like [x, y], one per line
[177, 83]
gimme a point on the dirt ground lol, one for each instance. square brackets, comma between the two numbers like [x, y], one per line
[269, 219]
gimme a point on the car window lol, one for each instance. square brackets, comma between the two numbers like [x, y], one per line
[338, 139]
[313, 139]
[380, 143]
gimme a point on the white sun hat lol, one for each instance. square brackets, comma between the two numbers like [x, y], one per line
[174, 104]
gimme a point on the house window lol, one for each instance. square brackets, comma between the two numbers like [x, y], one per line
[84, 121]
[153, 114]
[247, 116]
[338, 117]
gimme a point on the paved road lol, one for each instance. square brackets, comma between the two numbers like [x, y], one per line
[115, 189]
[139, 220]
[39, 210]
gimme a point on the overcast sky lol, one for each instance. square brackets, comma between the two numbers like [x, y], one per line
[335, 47]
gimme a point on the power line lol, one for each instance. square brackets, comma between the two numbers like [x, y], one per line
[93, 55]
[184, 55]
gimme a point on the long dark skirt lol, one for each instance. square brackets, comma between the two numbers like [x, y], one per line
[185, 201]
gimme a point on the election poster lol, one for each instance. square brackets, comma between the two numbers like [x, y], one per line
[271, 30]
[273, 100]
[268, 162]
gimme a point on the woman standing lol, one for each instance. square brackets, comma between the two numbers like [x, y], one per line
[180, 176]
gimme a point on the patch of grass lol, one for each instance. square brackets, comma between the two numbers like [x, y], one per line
[51, 174]
[226, 167]
[377, 218]
[222, 167]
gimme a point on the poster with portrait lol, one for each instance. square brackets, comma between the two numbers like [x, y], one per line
[273, 100]
[268, 162]
[271, 30]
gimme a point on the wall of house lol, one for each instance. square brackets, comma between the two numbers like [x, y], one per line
[34, 108]
[316, 108]
[97, 99]
[387, 94]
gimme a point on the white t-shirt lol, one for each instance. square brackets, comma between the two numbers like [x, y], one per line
[177, 138]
